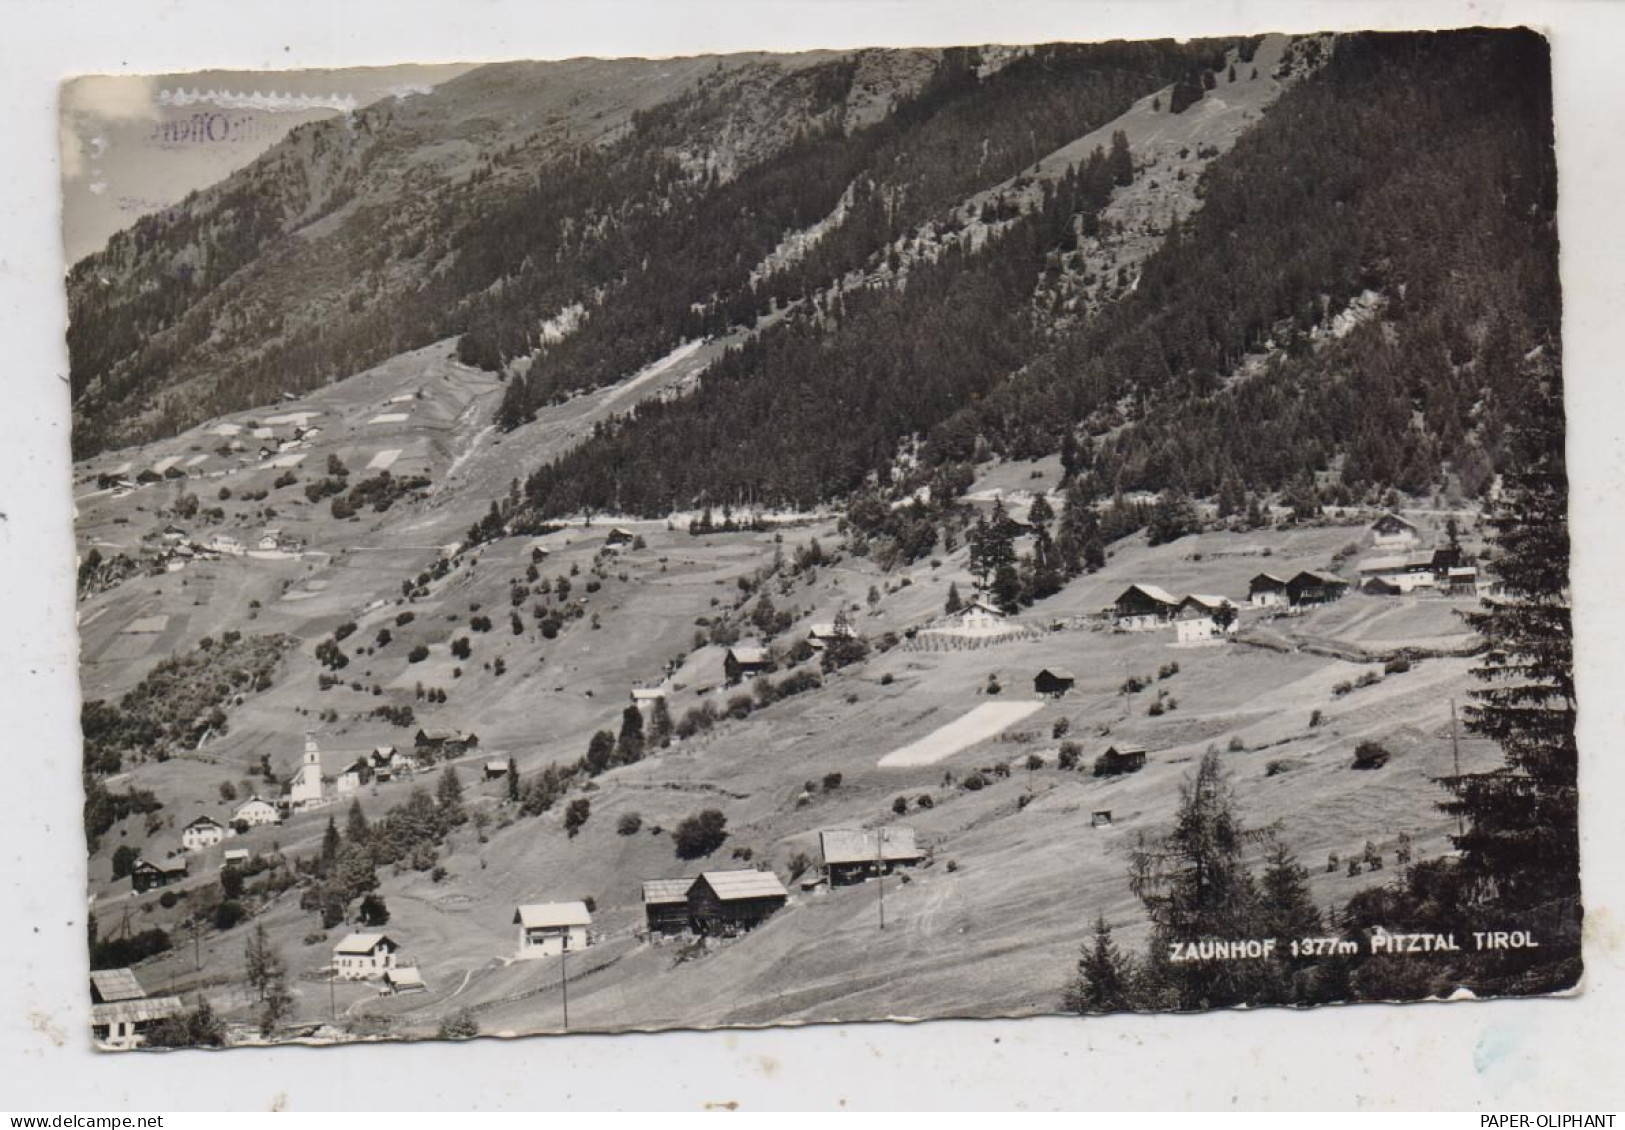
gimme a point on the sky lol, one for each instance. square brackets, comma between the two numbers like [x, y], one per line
[137, 144]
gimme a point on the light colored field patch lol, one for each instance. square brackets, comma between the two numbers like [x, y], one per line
[945, 741]
[122, 469]
[384, 460]
[147, 625]
[391, 418]
[226, 429]
[403, 398]
[165, 464]
[196, 459]
[285, 461]
[290, 418]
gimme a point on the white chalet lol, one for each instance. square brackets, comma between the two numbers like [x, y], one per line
[980, 616]
[255, 812]
[548, 928]
[203, 832]
[364, 957]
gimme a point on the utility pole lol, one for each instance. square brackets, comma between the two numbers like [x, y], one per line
[564, 984]
[1455, 755]
[332, 993]
[880, 878]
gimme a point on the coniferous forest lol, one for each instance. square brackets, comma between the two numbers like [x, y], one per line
[1416, 170]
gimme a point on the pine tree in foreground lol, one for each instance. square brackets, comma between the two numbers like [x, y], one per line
[1520, 851]
[1105, 977]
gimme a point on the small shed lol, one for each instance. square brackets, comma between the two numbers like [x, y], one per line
[548, 928]
[495, 770]
[407, 979]
[732, 902]
[1053, 681]
[619, 536]
[235, 857]
[1100, 818]
[1120, 759]
[665, 905]
[852, 855]
[1461, 579]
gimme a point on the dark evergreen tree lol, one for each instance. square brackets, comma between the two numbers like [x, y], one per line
[660, 725]
[1195, 887]
[1105, 978]
[1520, 849]
[449, 796]
[330, 846]
[1122, 161]
[355, 824]
[629, 746]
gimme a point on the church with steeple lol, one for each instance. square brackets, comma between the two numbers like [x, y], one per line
[307, 789]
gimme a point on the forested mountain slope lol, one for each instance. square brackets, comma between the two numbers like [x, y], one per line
[1413, 170]
[642, 192]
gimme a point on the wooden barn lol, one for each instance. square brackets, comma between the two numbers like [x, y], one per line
[723, 903]
[1053, 681]
[1310, 588]
[852, 855]
[1143, 608]
[665, 905]
[1267, 591]
[744, 662]
[445, 743]
[1392, 531]
[1120, 759]
[146, 875]
[121, 1013]
[820, 635]
[1202, 618]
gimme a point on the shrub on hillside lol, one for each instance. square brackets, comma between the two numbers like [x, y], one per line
[701, 834]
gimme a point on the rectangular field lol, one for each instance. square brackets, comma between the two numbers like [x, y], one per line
[945, 741]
